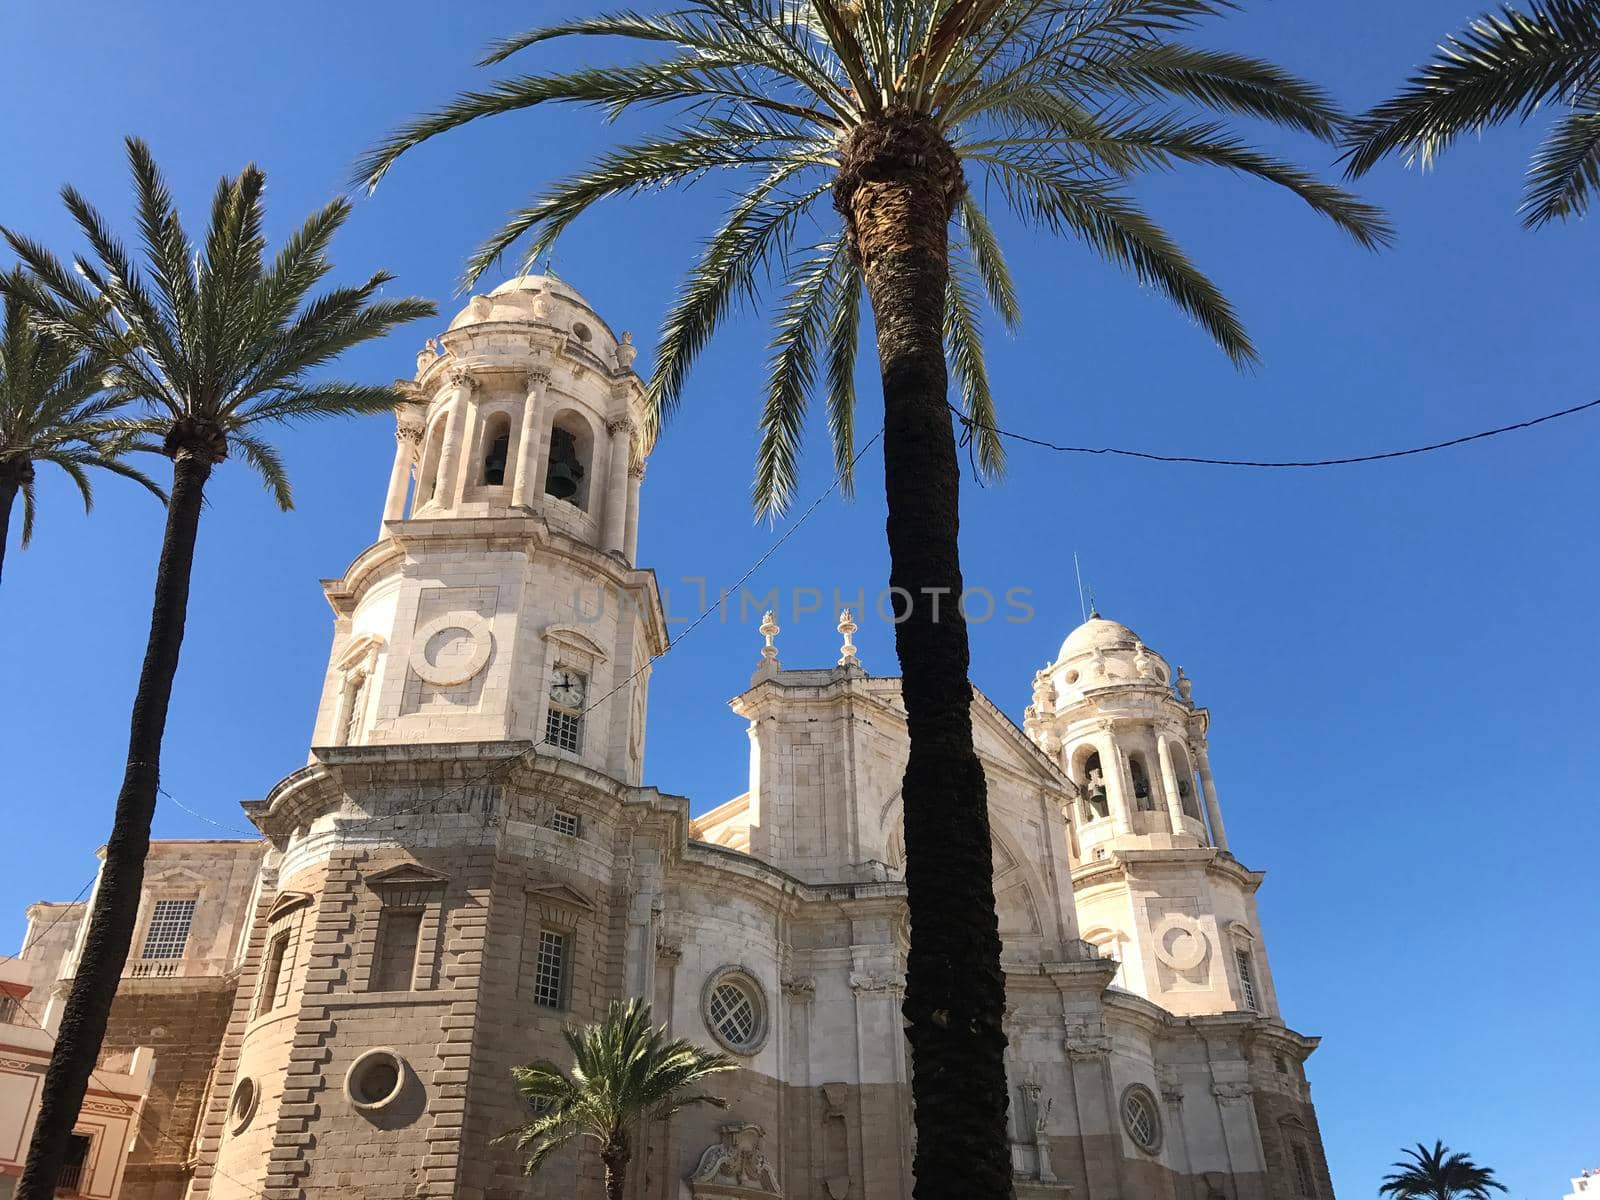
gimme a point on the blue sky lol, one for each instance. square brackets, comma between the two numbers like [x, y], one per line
[1398, 657]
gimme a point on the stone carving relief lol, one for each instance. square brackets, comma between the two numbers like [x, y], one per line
[456, 668]
[1180, 942]
[669, 946]
[860, 982]
[735, 1168]
[1231, 1093]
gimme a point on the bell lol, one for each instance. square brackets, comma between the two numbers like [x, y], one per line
[562, 481]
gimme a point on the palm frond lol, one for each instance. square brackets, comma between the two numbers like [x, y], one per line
[261, 455]
[756, 233]
[1224, 82]
[990, 262]
[1565, 173]
[1503, 66]
[791, 374]
[1118, 229]
[963, 338]
[677, 157]
[843, 336]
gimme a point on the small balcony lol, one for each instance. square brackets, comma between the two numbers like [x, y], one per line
[172, 968]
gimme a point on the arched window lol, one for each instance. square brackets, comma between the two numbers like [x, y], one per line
[355, 700]
[1188, 794]
[1096, 803]
[428, 476]
[496, 449]
[566, 475]
[1142, 796]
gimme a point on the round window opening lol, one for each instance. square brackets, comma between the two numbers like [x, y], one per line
[582, 332]
[243, 1105]
[1141, 1118]
[375, 1079]
[735, 1012]
[1072, 677]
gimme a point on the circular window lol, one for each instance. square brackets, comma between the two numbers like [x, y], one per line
[583, 333]
[243, 1105]
[375, 1079]
[1072, 677]
[735, 1011]
[1141, 1118]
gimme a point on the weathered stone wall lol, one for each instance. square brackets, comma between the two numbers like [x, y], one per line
[183, 1022]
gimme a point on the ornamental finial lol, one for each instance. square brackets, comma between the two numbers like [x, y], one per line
[769, 630]
[847, 652]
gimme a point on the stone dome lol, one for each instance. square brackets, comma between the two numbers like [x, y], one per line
[541, 283]
[1097, 633]
[541, 300]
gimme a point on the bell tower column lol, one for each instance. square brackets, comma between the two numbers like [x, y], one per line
[1219, 835]
[614, 535]
[1169, 783]
[630, 547]
[1116, 787]
[527, 468]
[448, 489]
[408, 442]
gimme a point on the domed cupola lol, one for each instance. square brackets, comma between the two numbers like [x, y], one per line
[1109, 710]
[527, 405]
[1101, 654]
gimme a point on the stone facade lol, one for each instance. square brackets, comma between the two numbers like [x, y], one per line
[470, 859]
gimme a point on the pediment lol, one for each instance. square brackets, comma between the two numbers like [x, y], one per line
[174, 877]
[287, 902]
[407, 875]
[570, 635]
[562, 895]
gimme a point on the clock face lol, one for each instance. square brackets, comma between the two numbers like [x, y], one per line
[567, 688]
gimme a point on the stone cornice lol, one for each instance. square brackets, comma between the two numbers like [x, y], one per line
[1119, 864]
[528, 534]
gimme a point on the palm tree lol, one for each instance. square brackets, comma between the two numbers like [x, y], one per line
[882, 107]
[1438, 1174]
[211, 346]
[1504, 66]
[51, 411]
[624, 1070]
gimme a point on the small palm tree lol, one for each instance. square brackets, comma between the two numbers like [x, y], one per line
[1438, 1174]
[1504, 66]
[213, 345]
[879, 109]
[624, 1070]
[52, 410]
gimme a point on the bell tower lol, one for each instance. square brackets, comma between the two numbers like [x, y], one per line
[500, 601]
[1156, 885]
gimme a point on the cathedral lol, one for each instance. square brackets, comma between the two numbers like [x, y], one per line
[471, 858]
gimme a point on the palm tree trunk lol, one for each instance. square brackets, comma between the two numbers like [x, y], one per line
[9, 487]
[898, 185]
[116, 903]
[616, 1164]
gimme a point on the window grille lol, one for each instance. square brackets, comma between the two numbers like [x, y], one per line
[10, 1010]
[1247, 983]
[733, 1014]
[74, 1166]
[168, 933]
[1305, 1180]
[1140, 1118]
[564, 730]
[550, 969]
[566, 823]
